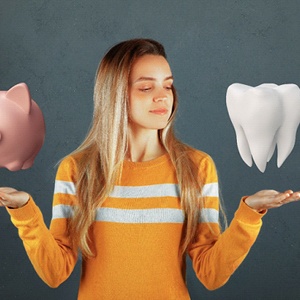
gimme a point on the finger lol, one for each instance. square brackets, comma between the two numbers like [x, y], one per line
[293, 197]
[3, 202]
[7, 190]
[4, 196]
[6, 199]
[278, 200]
[281, 197]
[289, 192]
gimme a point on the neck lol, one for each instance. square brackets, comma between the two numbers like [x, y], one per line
[144, 145]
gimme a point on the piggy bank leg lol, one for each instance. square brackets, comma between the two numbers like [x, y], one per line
[14, 166]
[29, 162]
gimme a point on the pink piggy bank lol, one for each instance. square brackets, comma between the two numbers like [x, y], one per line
[22, 128]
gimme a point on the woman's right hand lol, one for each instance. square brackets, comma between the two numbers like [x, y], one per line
[12, 198]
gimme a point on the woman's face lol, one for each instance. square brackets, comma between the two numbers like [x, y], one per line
[150, 93]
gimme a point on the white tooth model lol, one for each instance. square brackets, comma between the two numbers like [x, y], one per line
[263, 117]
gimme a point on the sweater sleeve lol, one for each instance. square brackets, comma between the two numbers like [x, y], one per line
[215, 255]
[49, 250]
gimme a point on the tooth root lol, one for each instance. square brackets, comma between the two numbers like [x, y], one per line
[243, 146]
[290, 94]
[235, 91]
[272, 149]
[258, 111]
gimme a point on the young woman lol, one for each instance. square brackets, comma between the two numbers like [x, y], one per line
[133, 198]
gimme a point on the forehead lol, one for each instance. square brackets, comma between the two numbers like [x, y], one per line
[150, 66]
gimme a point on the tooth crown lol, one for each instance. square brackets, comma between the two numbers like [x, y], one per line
[263, 117]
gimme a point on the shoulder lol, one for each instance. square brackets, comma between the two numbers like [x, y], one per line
[205, 165]
[199, 157]
[68, 167]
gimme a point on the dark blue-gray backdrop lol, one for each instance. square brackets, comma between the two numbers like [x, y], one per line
[55, 46]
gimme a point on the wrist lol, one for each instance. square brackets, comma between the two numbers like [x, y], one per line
[26, 199]
[22, 203]
[248, 202]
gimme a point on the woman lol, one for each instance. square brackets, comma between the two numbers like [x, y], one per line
[133, 198]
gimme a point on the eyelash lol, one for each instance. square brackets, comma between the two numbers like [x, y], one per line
[145, 89]
[168, 88]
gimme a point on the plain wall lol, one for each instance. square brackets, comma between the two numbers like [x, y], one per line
[55, 47]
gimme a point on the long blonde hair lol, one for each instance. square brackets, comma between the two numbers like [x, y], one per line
[103, 150]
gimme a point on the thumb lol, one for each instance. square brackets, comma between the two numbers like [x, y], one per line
[4, 199]
[3, 195]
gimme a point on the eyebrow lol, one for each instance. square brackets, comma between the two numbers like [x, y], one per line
[145, 78]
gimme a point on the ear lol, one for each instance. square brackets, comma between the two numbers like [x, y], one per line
[20, 95]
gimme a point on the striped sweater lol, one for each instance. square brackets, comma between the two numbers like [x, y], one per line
[136, 235]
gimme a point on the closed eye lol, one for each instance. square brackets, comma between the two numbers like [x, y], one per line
[145, 89]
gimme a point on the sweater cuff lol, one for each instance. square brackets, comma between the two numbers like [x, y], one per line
[24, 213]
[248, 215]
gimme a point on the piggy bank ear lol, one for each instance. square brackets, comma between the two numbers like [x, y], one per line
[20, 95]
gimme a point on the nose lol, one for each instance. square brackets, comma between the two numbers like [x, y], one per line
[160, 96]
[158, 99]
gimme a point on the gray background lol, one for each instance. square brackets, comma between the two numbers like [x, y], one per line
[55, 47]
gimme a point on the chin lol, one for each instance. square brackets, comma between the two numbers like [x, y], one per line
[159, 127]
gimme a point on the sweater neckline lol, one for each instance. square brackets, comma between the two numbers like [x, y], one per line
[146, 164]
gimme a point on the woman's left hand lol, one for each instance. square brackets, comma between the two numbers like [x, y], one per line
[267, 199]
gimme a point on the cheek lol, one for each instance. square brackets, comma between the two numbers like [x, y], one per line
[138, 101]
[135, 108]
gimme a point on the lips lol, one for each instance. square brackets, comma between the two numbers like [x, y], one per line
[159, 111]
[264, 117]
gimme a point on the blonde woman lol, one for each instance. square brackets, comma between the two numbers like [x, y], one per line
[133, 198]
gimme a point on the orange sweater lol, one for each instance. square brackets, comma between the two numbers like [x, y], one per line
[136, 235]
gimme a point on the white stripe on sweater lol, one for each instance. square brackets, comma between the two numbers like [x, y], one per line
[138, 216]
[147, 191]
